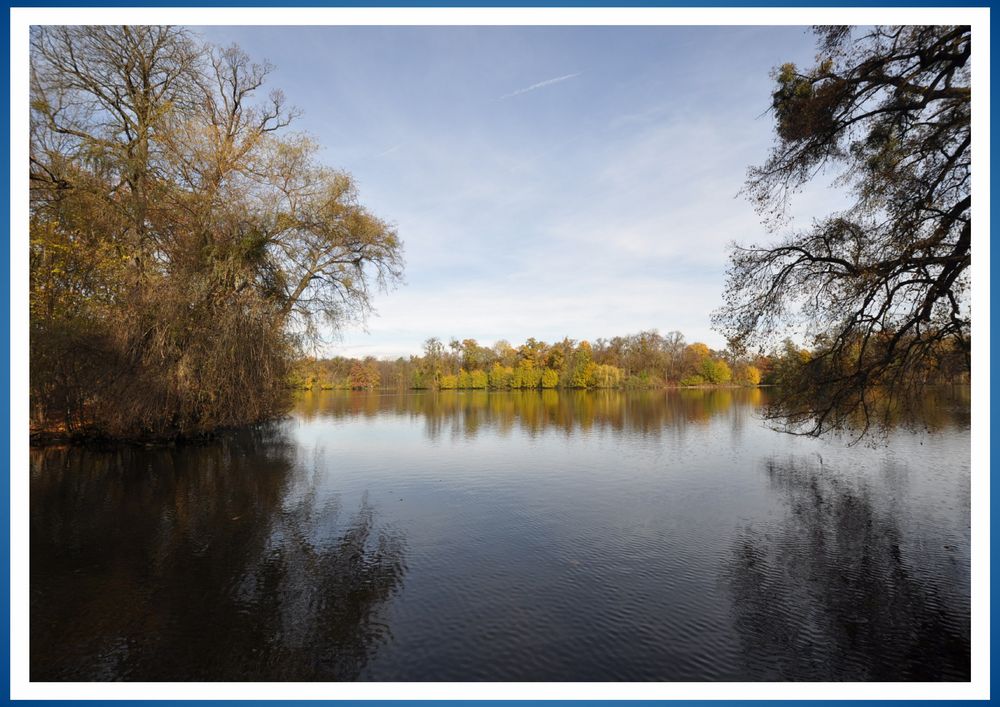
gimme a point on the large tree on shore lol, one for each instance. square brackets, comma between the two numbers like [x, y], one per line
[182, 242]
[879, 290]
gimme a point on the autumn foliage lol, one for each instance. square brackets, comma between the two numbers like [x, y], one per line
[183, 244]
[643, 360]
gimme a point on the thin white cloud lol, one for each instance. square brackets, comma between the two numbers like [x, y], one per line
[389, 151]
[540, 84]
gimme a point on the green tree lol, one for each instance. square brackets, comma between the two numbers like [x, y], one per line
[715, 371]
[479, 380]
[882, 284]
[604, 376]
[582, 366]
[420, 380]
[501, 377]
[526, 375]
[692, 357]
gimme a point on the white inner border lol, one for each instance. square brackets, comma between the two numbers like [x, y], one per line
[22, 18]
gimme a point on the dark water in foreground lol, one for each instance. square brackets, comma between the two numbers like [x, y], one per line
[507, 536]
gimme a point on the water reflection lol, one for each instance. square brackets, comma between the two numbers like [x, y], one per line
[649, 412]
[646, 535]
[215, 562]
[465, 413]
[833, 591]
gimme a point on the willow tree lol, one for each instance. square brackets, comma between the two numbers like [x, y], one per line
[879, 290]
[182, 240]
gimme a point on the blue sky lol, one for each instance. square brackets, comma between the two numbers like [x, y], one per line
[546, 181]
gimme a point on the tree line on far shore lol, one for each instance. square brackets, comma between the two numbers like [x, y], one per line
[644, 360]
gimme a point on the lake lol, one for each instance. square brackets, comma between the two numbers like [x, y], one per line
[538, 535]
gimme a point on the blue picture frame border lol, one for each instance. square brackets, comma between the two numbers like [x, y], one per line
[8, 263]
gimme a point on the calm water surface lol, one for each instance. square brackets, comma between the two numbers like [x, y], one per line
[507, 536]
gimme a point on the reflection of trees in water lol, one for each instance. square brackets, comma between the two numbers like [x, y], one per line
[196, 563]
[321, 597]
[465, 413]
[828, 594]
[940, 407]
[931, 408]
[649, 412]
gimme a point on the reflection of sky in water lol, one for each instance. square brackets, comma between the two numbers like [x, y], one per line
[509, 536]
